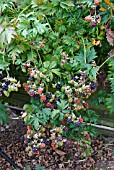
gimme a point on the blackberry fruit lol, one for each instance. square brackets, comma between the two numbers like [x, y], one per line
[27, 140]
[31, 79]
[97, 9]
[1, 75]
[7, 82]
[47, 100]
[35, 96]
[93, 85]
[77, 124]
[68, 121]
[34, 149]
[93, 24]
[48, 96]
[58, 86]
[46, 141]
[25, 145]
[5, 87]
[56, 99]
[75, 79]
[65, 128]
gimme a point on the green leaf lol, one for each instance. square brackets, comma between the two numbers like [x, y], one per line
[80, 57]
[93, 73]
[55, 113]
[28, 168]
[3, 64]
[36, 123]
[90, 55]
[46, 64]
[67, 66]
[110, 103]
[53, 64]
[56, 71]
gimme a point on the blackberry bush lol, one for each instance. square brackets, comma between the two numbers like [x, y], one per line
[56, 44]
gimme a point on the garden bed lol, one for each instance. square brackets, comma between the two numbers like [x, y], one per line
[11, 142]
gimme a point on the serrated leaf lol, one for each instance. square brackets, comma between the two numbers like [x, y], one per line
[10, 33]
[36, 123]
[80, 57]
[55, 113]
[3, 64]
[93, 73]
[110, 103]
[90, 55]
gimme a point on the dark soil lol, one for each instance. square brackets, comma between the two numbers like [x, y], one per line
[11, 143]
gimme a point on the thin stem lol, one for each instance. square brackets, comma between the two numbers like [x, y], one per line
[84, 50]
[21, 13]
[105, 61]
[39, 56]
[48, 22]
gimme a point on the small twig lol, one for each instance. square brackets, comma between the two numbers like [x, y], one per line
[15, 108]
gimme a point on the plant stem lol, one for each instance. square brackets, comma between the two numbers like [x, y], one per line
[105, 61]
[39, 57]
[84, 50]
[48, 23]
[21, 13]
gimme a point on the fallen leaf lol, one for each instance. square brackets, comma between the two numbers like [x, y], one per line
[61, 153]
[111, 53]
[110, 36]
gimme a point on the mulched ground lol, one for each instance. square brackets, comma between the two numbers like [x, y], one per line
[11, 143]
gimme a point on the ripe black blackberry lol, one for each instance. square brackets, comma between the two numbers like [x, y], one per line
[93, 85]
[77, 124]
[7, 82]
[34, 149]
[58, 86]
[1, 75]
[68, 121]
[75, 79]
[46, 141]
[48, 96]
[5, 87]
[35, 96]
[31, 79]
